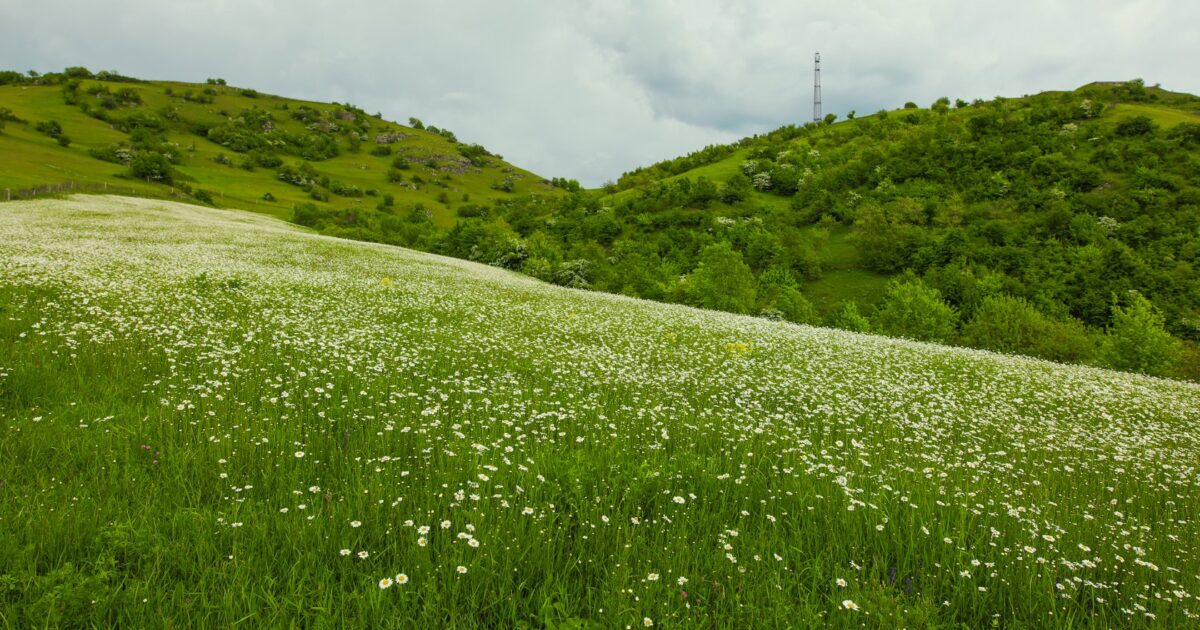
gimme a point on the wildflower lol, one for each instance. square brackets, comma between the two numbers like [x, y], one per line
[299, 454]
[401, 578]
[652, 577]
[385, 583]
[422, 530]
[679, 500]
[849, 605]
[345, 552]
[841, 582]
[473, 542]
[646, 621]
[362, 555]
[527, 511]
[681, 581]
[355, 524]
[461, 569]
[421, 542]
[445, 524]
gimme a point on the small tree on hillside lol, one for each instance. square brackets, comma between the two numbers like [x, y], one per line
[1137, 340]
[1007, 324]
[848, 318]
[722, 281]
[915, 311]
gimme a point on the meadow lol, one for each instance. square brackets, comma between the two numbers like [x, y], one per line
[212, 418]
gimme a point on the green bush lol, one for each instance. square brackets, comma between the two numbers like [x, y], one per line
[848, 318]
[915, 311]
[1137, 340]
[722, 281]
[152, 167]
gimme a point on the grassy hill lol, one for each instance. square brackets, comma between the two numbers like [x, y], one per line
[233, 144]
[213, 418]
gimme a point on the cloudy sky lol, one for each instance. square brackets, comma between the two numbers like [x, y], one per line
[590, 89]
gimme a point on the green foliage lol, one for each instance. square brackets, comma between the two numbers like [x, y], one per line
[913, 310]
[848, 318]
[475, 154]
[722, 281]
[1009, 324]
[1137, 340]
[1136, 126]
[50, 128]
[152, 167]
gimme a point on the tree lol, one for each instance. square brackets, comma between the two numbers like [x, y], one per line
[829, 118]
[848, 318]
[1137, 340]
[915, 311]
[722, 281]
[780, 296]
[1007, 324]
[1136, 126]
[152, 167]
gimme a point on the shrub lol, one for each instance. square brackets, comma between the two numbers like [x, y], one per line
[308, 214]
[152, 167]
[1136, 126]
[1137, 340]
[722, 281]
[50, 128]
[915, 311]
[848, 318]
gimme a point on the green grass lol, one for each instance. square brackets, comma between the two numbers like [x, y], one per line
[200, 409]
[1165, 117]
[29, 159]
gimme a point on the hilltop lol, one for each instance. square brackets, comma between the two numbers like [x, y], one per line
[222, 145]
[212, 418]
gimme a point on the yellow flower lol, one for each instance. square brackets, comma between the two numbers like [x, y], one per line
[739, 349]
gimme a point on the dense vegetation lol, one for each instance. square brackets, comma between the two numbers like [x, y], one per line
[1063, 225]
[214, 419]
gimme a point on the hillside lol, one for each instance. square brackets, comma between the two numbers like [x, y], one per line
[228, 146]
[212, 418]
[1064, 225]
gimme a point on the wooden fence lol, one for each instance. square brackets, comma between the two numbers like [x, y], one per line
[67, 187]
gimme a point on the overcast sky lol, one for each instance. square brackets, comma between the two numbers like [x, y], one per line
[590, 89]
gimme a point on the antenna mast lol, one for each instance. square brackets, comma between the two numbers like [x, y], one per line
[817, 88]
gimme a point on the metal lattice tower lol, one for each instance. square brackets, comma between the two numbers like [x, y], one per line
[817, 88]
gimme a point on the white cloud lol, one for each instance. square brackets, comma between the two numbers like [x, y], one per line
[590, 89]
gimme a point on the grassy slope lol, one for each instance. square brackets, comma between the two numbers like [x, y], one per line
[198, 406]
[28, 158]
